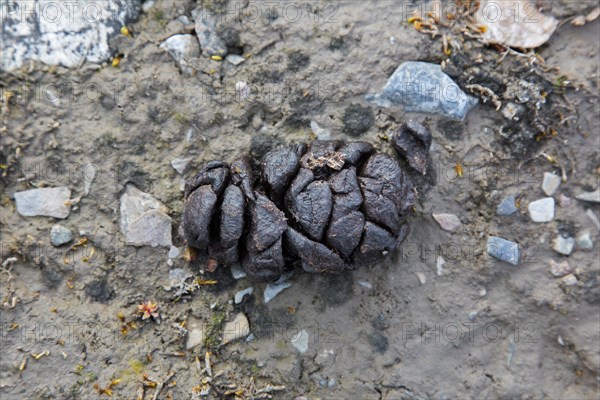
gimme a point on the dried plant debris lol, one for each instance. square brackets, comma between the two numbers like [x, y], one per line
[326, 207]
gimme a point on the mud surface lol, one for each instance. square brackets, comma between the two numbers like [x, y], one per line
[409, 327]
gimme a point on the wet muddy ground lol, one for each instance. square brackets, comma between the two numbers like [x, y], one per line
[438, 319]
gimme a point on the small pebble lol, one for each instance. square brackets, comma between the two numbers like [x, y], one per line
[273, 289]
[300, 341]
[237, 272]
[560, 340]
[569, 280]
[181, 165]
[195, 333]
[88, 177]
[322, 134]
[173, 252]
[592, 197]
[503, 250]
[564, 201]
[439, 265]
[448, 222]
[60, 235]
[422, 278]
[236, 329]
[593, 218]
[542, 210]
[584, 240]
[563, 245]
[365, 284]
[550, 183]
[242, 89]
[235, 59]
[560, 269]
[507, 206]
[239, 296]
[473, 315]
[482, 292]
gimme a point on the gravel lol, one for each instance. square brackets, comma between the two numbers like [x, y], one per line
[507, 206]
[60, 235]
[550, 183]
[183, 48]
[560, 269]
[236, 329]
[448, 222]
[592, 197]
[300, 341]
[273, 289]
[47, 202]
[563, 245]
[503, 250]
[542, 210]
[181, 164]
[239, 296]
[584, 240]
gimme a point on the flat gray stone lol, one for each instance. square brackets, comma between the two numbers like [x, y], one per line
[237, 272]
[423, 87]
[563, 245]
[507, 206]
[592, 197]
[550, 183]
[61, 33]
[60, 235]
[205, 24]
[448, 222]
[236, 329]
[503, 250]
[144, 221]
[235, 59]
[181, 164]
[584, 240]
[183, 48]
[542, 210]
[46, 202]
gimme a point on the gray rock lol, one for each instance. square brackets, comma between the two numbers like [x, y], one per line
[210, 42]
[235, 59]
[174, 252]
[507, 206]
[564, 201]
[569, 280]
[88, 177]
[590, 214]
[560, 269]
[440, 263]
[542, 210]
[273, 289]
[563, 245]
[592, 197]
[322, 134]
[503, 250]
[181, 165]
[584, 240]
[144, 221]
[239, 296]
[60, 235]
[365, 284]
[56, 33]
[550, 183]
[300, 341]
[448, 222]
[423, 87]
[196, 333]
[236, 329]
[47, 202]
[237, 272]
[183, 48]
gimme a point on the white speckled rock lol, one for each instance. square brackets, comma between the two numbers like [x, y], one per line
[61, 32]
[46, 202]
[542, 210]
[182, 48]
